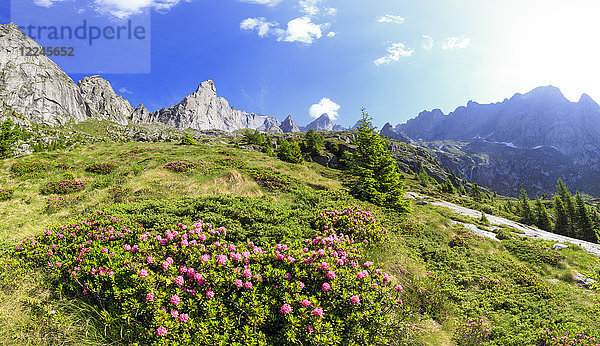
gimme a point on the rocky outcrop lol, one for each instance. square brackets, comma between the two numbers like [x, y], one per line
[34, 86]
[388, 131]
[323, 123]
[204, 110]
[288, 125]
[103, 102]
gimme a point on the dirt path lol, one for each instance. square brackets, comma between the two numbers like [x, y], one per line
[529, 231]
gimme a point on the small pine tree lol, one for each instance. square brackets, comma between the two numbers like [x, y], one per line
[561, 225]
[187, 139]
[448, 187]
[289, 151]
[584, 225]
[253, 138]
[475, 193]
[314, 143]
[484, 218]
[526, 213]
[543, 219]
[9, 135]
[423, 177]
[567, 199]
[376, 176]
[461, 190]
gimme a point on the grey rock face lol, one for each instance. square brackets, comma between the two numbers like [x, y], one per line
[388, 131]
[322, 123]
[288, 125]
[34, 86]
[203, 110]
[541, 117]
[102, 100]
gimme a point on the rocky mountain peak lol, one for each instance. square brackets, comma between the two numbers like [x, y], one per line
[322, 123]
[288, 125]
[102, 100]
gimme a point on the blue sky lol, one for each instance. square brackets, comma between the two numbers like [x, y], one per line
[396, 58]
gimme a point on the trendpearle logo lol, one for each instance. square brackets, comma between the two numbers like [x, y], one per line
[82, 38]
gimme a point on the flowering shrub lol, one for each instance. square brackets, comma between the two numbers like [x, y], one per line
[184, 166]
[231, 162]
[118, 194]
[463, 239]
[56, 204]
[62, 187]
[270, 179]
[358, 223]
[532, 253]
[65, 166]
[472, 333]
[6, 194]
[32, 167]
[187, 286]
[101, 168]
[554, 333]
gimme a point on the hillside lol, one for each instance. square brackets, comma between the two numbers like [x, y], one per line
[528, 141]
[456, 287]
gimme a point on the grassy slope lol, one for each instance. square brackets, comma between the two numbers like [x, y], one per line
[438, 303]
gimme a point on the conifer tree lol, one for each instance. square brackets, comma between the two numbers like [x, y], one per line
[289, 151]
[448, 187]
[423, 177]
[461, 190]
[567, 199]
[8, 136]
[526, 213]
[314, 143]
[543, 219]
[584, 226]
[377, 178]
[475, 193]
[484, 218]
[561, 225]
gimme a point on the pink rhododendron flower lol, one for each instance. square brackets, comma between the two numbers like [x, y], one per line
[326, 287]
[175, 299]
[239, 283]
[183, 317]
[286, 309]
[398, 288]
[368, 264]
[222, 259]
[150, 297]
[331, 275]
[355, 300]
[210, 294]
[143, 273]
[301, 284]
[179, 280]
[305, 303]
[174, 313]
[149, 259]
[161, 331]
[318, 312]
[324, 266]
[205, 258]
[247, 273]
[104, 250]
[248, 285]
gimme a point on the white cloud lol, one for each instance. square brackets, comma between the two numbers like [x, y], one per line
[263, 27]
[427, 42]
[301, 29]
[395, 52]
[269, 3]
[331, 11]
[46, 3]
[124, 90]
[331, 34]
[309, 7]
[122, 8]
[325, 106]
[452, 43]
[388, 18]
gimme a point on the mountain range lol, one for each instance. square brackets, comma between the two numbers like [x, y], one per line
[36, 89]
[528, 141]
